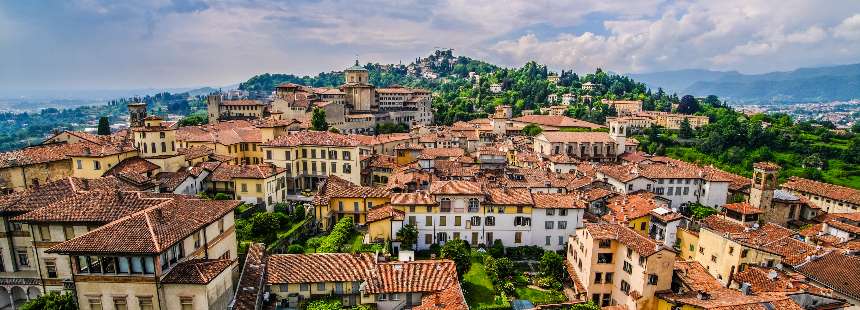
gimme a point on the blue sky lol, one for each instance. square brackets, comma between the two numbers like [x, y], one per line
[93, 44]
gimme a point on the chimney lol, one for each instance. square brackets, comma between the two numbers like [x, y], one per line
[746, 289]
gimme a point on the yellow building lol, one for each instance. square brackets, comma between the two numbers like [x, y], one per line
[634, 210]
[220, 109]
[32, 166]
[383, 223]
[312, 156]
[725, 246]
[618, 266]
[238, 140]
[92, 162]
[263, 184]
[338, 198]
[156, 142]
[359, 279]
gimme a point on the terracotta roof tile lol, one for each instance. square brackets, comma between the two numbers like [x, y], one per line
[639, 243]
[319, 267]
[47, 194]
[555, 121]
[314, 138]
[835, 270]
[228, 172]
[742, 208]
[456, 187]
[556, 201]
[151, 230]
[42, 154]
[249, 289]
[417, 198]
[384, 212]
[828, 190]
[197, 271]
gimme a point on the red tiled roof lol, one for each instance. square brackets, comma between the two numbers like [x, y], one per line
[742, 208]
[42, 154]
[151, 230]
[249, 289]
[442, 152]
[558, 201]
[228, 172]
[624, 208]
[102, 206]
[456, 187]
[835, 270]
[508, 196]
[336, 187]
[225, 133]
[418, 198]
[313, 138]
[578, 137]
[827, 190]
[197, 271]
[415, 276]
[318, 267]
[555, 121]
[385, 212]
[639, 243]
[47, 194]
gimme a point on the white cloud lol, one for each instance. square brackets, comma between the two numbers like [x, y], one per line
[849, 28]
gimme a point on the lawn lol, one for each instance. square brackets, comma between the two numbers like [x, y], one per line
[539, 297]
[477, 285]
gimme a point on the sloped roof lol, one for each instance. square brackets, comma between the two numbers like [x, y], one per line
[197, 271]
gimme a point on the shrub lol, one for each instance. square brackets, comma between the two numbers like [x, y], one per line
[498, 249]
[314, 242]
[548, 283]
[295, 249]
[222, 196]
[531, 252]
[435, 249]
[325, 304]
[551, 265]
[51, 300]
[338, 236]
[459, 252]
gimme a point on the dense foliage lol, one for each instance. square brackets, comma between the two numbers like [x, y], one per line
[51, 300]
[338, 236]
[318, 121]
[408, 236]
[459, 252]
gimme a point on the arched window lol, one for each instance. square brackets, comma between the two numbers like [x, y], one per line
[445, 205]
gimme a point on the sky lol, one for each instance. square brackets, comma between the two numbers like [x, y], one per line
[95, 44]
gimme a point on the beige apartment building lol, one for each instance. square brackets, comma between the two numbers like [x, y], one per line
[617, 266]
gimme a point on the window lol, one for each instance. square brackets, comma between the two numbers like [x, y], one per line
[347, 168]
[625, 287]
[269, 154]
[443, 220]
[562, 212]
[340, 206]
[628, 268]
[457, 221]
[321, 286]
[604, 243]
[598, 277]
[68, 232]
[744, 253]
[196, 237]
[518, 237]
[51, 268]
[519, 209]
[562, 224]
[604, 258]
[145, 303]
[560, 240]
[629, 252]
[412, 220]
[548, 240]
[548, 224]
[186, 303]
[652, 279]
[714, 258]
[244, 187]
[119, 303]
[45, 232]
[428, 221]
[701, 250]
[78, 163]
[608, 278]
[346, 155]
[445, 205]
[221, 226]
[23, 258]
[550, 212]
[259, 188]
[95, 303]
[473, 205]
[642, 226]
[428, 238]
[476, 221]
[490, 221]
[163, 147]
[731, 250]
[97, 165]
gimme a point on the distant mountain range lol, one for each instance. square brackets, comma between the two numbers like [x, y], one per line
[822, 84]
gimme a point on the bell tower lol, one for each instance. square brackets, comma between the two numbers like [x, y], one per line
[136, 113]
[357, 88]
[618, 133]
[764, 182]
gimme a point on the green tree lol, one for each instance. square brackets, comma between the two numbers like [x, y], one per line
[318, 121]
[712, 101]
[590, 305]
[295, 249]
[222, 196]
[688, 105]
[104, 126]
[532, 130]
[265, 226]
[459, 252]
[195, 119]
[551, 265]
[51, 300]
[408, 236]
[852, 155]
[498, 249]
[685, 131]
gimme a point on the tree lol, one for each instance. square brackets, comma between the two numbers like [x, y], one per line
[712, 101]
[590, 305]
[459, 252]
[325, 304]
[688, 105]
[852, 155]
[318, 121]
[295, 249]
[686, 131]
[498, 249]
[408, 236]
[51, 300]
[104, 126]
[532, 130]
[195, 119]
[222, 196]
[265, 225]
[551, 265]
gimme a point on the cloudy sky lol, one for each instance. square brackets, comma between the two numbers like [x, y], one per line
[95, 44]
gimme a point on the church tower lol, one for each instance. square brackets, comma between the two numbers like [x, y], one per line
[357, 88]
[764, 182]
[618, 133]
[136, 114]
